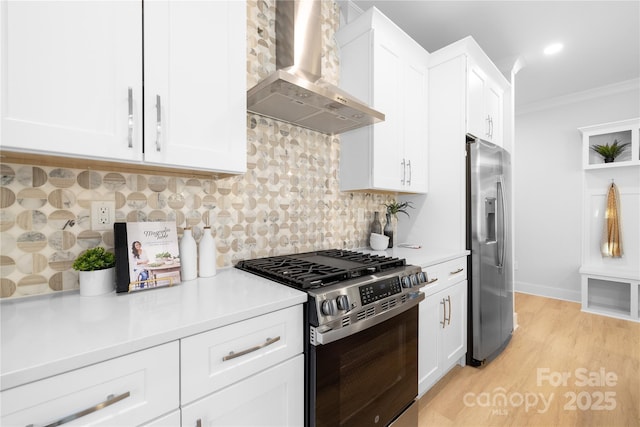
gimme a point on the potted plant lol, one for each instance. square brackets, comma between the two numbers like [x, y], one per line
[392, 211]
[610, 152]
[96, 269]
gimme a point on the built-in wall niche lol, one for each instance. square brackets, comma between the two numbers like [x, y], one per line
[608, 295]
[597, 183]
[624, 131]
[611, 285]
[621, 137]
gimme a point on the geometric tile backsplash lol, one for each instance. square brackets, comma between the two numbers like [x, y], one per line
[288, 200]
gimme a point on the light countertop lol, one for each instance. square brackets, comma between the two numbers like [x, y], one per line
[49, 335]
[52, 334]
[423, 257]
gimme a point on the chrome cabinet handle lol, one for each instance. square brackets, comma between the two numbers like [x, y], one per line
[130, 117]
[158, 121]
[404, 172]
[488, 126]
[409, 166]
[457, 271]
[491, 126]
[233, 355]
[431, 281]
[449, 318]
[444, 313]
[111, 399]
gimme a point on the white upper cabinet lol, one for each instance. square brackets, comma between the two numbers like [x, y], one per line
[73, 78]
[484, 106]
[195, 84]
[385, 68]
[67, 71]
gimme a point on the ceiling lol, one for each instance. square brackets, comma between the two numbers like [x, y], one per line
[601, 39]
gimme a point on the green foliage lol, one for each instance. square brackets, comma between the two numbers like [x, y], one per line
[394, 207]
[163, 255]
[94, 259]
[610, 151]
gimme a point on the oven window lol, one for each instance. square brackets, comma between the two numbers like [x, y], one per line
[367, 379]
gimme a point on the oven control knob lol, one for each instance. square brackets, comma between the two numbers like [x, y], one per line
[343, 302]
[406, 282]
[414, 280]
[422, 277]
[329, 307]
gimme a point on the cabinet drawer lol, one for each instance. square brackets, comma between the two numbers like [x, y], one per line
[445, 274]
[142, 386]
[215, 359]
[274, 397]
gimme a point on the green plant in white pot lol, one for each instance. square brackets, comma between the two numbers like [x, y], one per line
[610, 152]
[96, 268]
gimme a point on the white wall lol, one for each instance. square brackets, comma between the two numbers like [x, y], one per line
[548, 187]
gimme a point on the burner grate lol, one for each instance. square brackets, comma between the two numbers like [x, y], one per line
[320, 268]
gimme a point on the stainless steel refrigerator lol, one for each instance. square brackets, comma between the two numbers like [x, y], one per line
[490, 317]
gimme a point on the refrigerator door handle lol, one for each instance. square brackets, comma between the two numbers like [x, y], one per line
[501, 238]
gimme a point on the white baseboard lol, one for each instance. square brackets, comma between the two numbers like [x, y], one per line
[548, 291]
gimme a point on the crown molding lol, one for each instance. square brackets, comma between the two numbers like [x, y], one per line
[607, 90]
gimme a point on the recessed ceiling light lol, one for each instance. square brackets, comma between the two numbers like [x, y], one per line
[552, 49]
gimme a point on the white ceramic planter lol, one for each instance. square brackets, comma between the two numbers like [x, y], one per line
[97, 282]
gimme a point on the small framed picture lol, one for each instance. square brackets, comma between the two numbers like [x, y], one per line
[147, 255]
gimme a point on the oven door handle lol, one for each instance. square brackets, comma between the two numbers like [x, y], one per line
[330, 336]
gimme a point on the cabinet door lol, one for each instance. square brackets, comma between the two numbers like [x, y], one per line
[454, 335]
[388, 158]
[493, 96]
[195, 84]
[67, 71]
[477, 119]
[274, 397]
[415, 126]
[430, 324]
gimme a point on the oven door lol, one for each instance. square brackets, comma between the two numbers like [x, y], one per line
[368, 378]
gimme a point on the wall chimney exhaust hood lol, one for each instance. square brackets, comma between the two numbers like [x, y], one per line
[296, 93]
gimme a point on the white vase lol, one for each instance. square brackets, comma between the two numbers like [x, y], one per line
[207, 254]
[97, 282]
[188, 256]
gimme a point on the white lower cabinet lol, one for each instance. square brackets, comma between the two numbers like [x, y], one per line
[274, 397]
[249, 373]
[442, 339]
[128, 390]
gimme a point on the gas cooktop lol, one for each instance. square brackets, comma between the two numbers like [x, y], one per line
[320, 268]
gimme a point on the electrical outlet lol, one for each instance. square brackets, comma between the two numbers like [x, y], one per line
[102, 215]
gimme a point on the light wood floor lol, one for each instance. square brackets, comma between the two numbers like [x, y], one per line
[556, 336]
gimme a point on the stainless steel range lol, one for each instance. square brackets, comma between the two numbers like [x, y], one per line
[361, 336]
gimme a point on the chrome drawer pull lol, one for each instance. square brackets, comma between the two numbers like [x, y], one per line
[431, 281]
[111, 399]
[457, 271]
[233, 355]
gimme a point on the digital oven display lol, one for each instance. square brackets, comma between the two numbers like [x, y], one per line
[376, 291]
